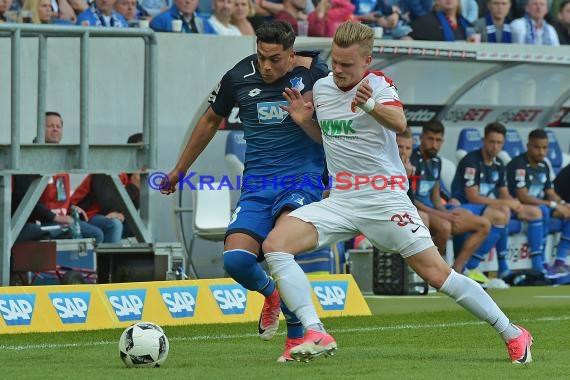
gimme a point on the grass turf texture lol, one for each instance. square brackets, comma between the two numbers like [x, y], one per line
[427, 337]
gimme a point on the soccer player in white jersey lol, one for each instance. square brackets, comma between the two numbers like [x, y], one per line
[359, 114]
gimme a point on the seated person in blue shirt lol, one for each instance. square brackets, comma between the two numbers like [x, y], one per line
[184, 10]
[102, 13]
[427, 198]
[480, 181]
[528, 179]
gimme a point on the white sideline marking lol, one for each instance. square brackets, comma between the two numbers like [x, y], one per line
[568, 297]
[406, 297]
[239, 336]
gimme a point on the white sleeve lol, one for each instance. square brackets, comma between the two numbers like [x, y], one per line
[518, 30]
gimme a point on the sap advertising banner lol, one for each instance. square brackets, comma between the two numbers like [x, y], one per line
[91, 307]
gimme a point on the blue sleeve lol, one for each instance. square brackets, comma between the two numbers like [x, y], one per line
[223, 98]
[548, 183]
[470, 175]
[161, 23]
[501, 182]
[417, 8]
[86, 15]
[208, 28]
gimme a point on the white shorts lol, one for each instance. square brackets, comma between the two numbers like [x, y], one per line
[389, 220]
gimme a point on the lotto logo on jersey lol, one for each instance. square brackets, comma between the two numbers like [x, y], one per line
[331, 294]
[336, 127]
[271, 113]
[71, 307]
[17, 309]
[128, 305]
[180, 301]
[231, 299]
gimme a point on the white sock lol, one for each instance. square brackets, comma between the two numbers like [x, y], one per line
[294, 287]
[473, 298]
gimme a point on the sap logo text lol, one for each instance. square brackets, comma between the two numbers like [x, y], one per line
[127, 304]
[17, 309]
[331, 294]
[71, 307]
[180, 301]
[232, 298]
[271, 113]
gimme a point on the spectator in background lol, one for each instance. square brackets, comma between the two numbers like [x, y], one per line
[494, 26]
[563, 24]
[327, 16]
[78, 6]
[293, 11]
[41, 11]
[443, 222]
[414, 9]
[184, 10]
[562, 184]
[127, 9]
[532, 29]
[243, 10]
[220, 20]
[444, 23]
[101, 13]
[4, 7]
[54, 205]
[528, 178]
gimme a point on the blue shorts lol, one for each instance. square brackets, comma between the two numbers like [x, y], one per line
[476, 209]
[256, 212]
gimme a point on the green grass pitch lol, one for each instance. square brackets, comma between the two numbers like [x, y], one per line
[424, 337]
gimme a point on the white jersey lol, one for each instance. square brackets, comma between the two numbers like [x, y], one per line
[354, 142]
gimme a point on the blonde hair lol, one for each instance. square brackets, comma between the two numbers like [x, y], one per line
[406, 134]
[349, 33]
[33, 5]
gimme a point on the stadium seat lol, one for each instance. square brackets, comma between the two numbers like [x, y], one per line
[555, 154]
[211, 213]
[235, 153]
[513, 146]
[448, 169]
[416, 136]
[469, 139]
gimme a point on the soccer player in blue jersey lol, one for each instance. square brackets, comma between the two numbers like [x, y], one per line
[279, 158]
[480, 181]
[528, 179]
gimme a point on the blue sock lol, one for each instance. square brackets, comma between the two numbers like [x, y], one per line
[490, 241]
[243, 267]
[294, 325]
[502, 250]
[473, 262]
[535, 233]
[564, 243]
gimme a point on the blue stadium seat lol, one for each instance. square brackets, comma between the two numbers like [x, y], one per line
[554, 154]
[469, 139]
[416, 136]
[513, 144]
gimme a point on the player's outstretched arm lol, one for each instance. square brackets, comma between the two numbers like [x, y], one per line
[199, 138]
[301, 111]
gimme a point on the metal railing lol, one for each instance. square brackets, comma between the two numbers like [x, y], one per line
[47, 159]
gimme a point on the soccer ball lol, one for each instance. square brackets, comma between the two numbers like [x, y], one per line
[143, 345]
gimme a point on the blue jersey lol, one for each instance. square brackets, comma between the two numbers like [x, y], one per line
[276, 146]
[472, 171]
[429, 172]
[520, 174]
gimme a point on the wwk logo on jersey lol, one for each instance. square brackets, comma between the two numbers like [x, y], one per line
[271, 113]
[180, 301]
[127, 304]
[17, 309]
[231, 298]
[336, 127]
[331, 294]
[71, 307]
